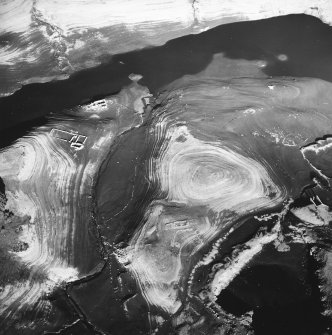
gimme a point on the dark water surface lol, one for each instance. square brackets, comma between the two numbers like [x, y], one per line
[303, 40]
[282, 290]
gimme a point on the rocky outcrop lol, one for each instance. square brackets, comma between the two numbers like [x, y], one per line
[42, 41]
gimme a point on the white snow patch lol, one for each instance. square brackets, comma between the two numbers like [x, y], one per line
[282, 57]
[320, 146]
[21, 204]
[79, 44]
[15, 15]
[249, 111]
[94, 116]
[72, 17]
[29, 235]
[135, 77]
[28, 163]
[316, 215]
[62, 274]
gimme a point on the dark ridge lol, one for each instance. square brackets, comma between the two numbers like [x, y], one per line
[2, 186]
[305, 40]
[120, 208]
